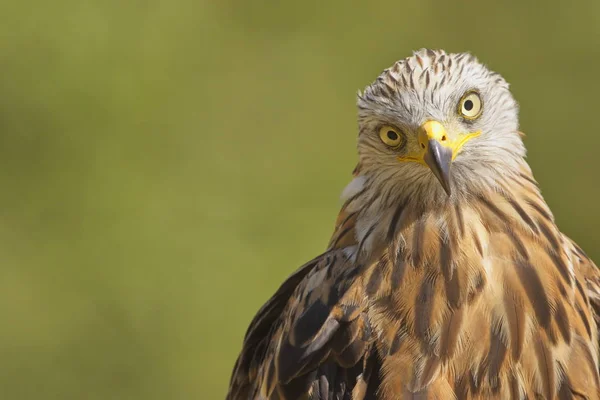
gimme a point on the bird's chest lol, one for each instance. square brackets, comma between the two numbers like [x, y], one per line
[486, 313]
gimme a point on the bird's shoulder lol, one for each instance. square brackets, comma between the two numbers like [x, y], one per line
[311, 336]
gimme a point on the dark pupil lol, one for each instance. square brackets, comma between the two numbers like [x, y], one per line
[392, 135]
[468, 105]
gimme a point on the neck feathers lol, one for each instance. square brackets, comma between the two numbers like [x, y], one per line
[375, 216]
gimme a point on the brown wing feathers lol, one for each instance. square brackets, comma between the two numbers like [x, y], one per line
[319, 343]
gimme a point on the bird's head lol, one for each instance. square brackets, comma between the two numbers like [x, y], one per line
[441, 124]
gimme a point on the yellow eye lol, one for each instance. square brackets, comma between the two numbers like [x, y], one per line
[470, 106]
[391, 136]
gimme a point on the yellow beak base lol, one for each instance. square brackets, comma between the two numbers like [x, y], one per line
[438, 151]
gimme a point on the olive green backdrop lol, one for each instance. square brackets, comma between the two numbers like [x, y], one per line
[164, 165]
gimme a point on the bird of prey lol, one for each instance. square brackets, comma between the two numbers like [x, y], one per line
[446, 276]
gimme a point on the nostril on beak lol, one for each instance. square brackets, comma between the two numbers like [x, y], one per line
[444, 138]
[422, 145]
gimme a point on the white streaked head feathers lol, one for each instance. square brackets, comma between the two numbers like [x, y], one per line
[429, 86]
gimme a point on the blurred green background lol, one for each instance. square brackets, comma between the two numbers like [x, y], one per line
[166, 164]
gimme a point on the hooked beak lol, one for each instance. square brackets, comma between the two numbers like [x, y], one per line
[438, 151]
